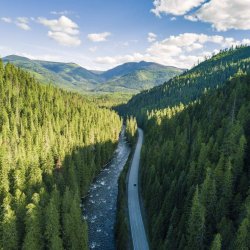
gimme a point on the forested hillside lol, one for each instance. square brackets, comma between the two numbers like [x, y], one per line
[69, 76]
[197, 161]
[187, 87]
[52, 145]
[135, 77]
[196, 157]
[128, 77]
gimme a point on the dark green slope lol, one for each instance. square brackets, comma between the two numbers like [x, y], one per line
[191, 84]
[196, 156]
[197, 161]
[129, 77]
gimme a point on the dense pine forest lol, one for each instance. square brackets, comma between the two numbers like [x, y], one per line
[212, 73]
[125, 125]
[196, 157]
[198, 163]
[52, 145]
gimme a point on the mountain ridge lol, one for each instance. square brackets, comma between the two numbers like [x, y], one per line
[127, 77]
[187, 87]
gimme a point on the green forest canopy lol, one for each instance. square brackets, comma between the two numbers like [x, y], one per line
[197, 161]
[210, 74]
[196, 157]
[52, 145]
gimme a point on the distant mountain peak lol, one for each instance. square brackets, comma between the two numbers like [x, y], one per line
[16, 57]
[128, 77]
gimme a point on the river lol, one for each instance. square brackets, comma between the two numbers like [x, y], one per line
[99, 207]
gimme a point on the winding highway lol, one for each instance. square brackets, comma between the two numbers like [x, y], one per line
[138, 233]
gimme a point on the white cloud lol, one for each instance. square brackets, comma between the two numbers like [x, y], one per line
[175, 7]
[182, 51]
[63, 12]
[62, 30]
[246, 41]
[23, 19]
[6, 19]
[99, 37]
[64, 38]
[151, 37]
[109, 60]
[221, 14]
[173, 18]
[63, 24]
[226, 14]
[191, 18]
[189, 41]
[93, 49]
[23, 26]
[23, 23]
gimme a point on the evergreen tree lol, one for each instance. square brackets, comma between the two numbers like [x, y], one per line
[196, 223]
[216, 244]
[49, 139]
[242, 240]
[74, 228]
[200, 146]
[33, 238]
[131, 129]
[53, 229]
[243, 235]
[9, 239]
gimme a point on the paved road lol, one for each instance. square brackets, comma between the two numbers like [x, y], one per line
[136, 223]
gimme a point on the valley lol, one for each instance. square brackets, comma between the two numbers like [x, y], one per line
[150, 150]
[99, 206]
[195, 155]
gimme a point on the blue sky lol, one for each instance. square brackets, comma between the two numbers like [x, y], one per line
[100, 34]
